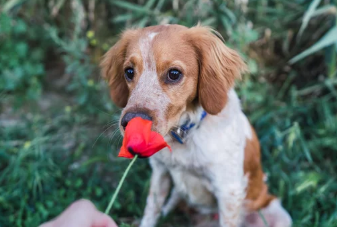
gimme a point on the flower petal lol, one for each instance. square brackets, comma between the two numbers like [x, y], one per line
[139, 126]
[156, 144]
[157, 141]
[125, 153]
[140, 140]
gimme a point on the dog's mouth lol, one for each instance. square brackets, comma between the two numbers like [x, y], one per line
[159, 128]
[168, 128]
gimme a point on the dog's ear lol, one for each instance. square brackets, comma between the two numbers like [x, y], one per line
[113, 72]
[219, 66]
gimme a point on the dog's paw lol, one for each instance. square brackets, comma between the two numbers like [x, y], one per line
[274, 214]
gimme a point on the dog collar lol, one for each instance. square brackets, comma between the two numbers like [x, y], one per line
[179, 133]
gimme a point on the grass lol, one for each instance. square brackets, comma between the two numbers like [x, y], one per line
[58, 138]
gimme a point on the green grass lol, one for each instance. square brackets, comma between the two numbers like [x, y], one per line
[58, 138]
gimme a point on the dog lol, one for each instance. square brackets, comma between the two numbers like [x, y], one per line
[182, 79]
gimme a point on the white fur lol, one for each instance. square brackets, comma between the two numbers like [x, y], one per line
[159, 189]
[209, 166]
[148, 94]
[152, 35]
[247, 129]
[207, 170]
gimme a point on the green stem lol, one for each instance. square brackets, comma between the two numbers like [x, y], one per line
[263, 219]
[120, 185]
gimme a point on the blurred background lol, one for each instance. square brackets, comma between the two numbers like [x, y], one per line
[58, 128]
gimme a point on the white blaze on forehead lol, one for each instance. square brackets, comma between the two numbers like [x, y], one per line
[152, 35]
[149, 63]
[148, 93]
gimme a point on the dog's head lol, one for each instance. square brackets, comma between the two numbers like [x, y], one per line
[159, 72]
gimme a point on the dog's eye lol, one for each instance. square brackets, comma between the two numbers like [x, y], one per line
[129, 73]
[174, 75]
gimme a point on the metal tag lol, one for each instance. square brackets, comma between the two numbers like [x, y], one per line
[178, 134]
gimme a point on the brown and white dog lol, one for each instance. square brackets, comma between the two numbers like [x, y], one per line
[172, 75]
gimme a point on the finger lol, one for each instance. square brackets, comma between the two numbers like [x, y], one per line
[103, 220]
[80, 213]
[84, 205]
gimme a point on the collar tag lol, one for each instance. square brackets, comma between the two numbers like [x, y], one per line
[179, 133]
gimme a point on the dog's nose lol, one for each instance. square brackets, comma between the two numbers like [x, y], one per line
[129, 116]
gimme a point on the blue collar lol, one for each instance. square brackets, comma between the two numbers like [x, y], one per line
[179, 133]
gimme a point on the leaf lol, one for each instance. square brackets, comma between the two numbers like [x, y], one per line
[252, 66]
[160, 4]
[227, 25]
[329, 38]
[306, 18]
[229, 14]
[125, 225]
[131, 6]
[142, 23]
[209, 21]
[56, 8]
[11, 4]
[122, 18]
[327, 9]
[309, 180]
[5, 24]
[149, 4]
[305, 149]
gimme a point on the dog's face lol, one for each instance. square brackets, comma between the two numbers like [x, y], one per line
[159, 72]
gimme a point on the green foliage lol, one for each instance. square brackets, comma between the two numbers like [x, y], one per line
[62, 146]
[45, 167]
[21, 65]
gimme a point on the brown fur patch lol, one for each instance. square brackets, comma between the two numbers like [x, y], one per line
[257, 191]
[219, 67]
[113, 71]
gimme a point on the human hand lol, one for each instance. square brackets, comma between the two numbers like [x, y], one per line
[81, 213]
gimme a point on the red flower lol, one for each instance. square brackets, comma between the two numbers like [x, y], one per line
[140, 140]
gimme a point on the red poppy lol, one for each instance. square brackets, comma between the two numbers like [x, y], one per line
[140, 140]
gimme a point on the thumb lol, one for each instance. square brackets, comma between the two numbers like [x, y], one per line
[102, 220]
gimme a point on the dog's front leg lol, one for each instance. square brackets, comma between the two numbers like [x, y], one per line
[229, 186]
[159, 189]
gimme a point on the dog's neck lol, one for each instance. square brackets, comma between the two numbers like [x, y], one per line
[192, 119]
[188, 121]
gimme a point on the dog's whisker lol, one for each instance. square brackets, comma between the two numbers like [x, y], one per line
[113, 134]
[112, 125]
[111, 122]
[119, 139]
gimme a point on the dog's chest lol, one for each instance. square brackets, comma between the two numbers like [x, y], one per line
[188, 167]
[213, 147]
[213, 143]
[190, 176]
[194, 187]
